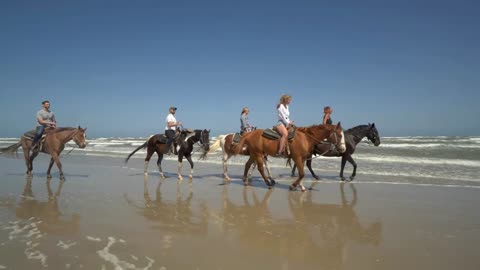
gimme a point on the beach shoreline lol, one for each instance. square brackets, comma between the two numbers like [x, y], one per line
[109, 214]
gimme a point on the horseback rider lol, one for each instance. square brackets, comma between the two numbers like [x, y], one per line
[170, 128]
[327, 113]
[45, 119]
[244, 125]
[284, 122]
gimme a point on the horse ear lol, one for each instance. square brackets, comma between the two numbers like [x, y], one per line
[373, 125]
[79, 127]
[339, 125]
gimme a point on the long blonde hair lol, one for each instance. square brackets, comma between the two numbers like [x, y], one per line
[283, 100]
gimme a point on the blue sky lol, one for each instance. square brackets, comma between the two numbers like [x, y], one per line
[116, 66]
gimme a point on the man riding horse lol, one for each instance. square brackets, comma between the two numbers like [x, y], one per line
[45, 119]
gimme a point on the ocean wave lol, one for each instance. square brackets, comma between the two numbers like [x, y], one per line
[419, 160]
[427, 145]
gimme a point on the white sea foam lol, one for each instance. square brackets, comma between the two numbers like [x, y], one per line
[94, 239]
[106, 255]
[427, 145]
[419, 160]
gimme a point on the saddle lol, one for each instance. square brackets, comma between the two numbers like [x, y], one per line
[161, 138]
[272, 134]
[236, 138]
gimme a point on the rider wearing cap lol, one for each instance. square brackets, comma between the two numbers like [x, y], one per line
[170, 128]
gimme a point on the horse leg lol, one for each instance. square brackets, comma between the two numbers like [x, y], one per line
[179, 173]
[309, 166]
[249, 163]
[28, 163]
[293, 170]
[49, 176]
[354, 164]
[344, 161]
[59, 166]
[268, 171]
[159, 164]
[150, 152]
[225, 158]
[301, 173]
[259, 159]
[189, 158]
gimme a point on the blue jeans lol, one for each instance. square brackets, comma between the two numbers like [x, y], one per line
[170, 138]
[38, 134]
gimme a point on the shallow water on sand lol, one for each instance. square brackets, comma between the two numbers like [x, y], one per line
[110, 216]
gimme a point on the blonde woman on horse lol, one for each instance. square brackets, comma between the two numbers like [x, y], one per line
[284, 122]
[244, 125]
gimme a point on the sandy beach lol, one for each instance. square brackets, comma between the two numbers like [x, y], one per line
[108, 215]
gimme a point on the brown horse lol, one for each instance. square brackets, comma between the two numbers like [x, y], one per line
[157, 144]
[53, 144]
[226, 143]
[300, 148]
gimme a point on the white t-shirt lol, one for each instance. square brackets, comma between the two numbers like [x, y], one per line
[283, 114]
[170, 118]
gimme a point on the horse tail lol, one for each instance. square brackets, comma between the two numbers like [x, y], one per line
[214, 147]
[10, 151]
[138, 148]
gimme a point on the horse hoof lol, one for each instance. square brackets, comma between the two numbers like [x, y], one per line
[316, 178]
[272, 182]
[49, 176]
[343, 178]
[292, 188]
[145, 173]
[226, 178]
[351, 178]
[180, 178]
[303, 189]
[190, 176]
[62, 177]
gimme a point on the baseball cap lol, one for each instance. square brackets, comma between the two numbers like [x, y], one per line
[173, 108]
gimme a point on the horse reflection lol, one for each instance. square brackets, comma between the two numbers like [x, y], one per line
[48, 212]
[168, 216]
[317, 236]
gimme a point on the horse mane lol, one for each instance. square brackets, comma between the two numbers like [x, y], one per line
[356, 129]
[62, 129]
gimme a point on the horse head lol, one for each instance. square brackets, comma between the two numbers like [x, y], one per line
[337, 138]
[372, 134]
[205, 139]
[80, 137]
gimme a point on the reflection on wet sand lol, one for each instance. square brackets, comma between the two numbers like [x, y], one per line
[173, 218]
[317, 236]
[47, 212]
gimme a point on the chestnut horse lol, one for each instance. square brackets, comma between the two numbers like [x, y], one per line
[352, 137]
[154, 145]
[53, 144]
[300, 148]
[226, 142]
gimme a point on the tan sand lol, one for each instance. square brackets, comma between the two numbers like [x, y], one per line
[110, 216]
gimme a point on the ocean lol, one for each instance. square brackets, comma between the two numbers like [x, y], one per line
[421, 160]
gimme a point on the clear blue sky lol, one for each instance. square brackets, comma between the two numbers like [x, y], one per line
[116, 66]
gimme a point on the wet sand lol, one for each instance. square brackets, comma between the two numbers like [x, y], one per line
[110, 216]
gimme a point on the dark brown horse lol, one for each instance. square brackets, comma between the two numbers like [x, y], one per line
[300, 148]
[226, 143]
[157, 144]
[53, 144]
